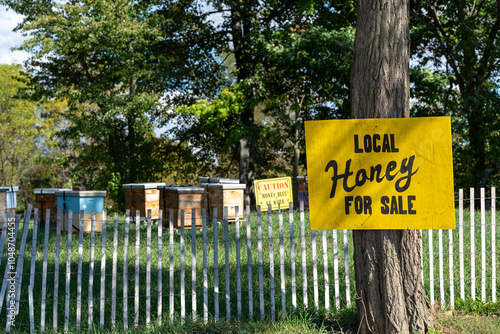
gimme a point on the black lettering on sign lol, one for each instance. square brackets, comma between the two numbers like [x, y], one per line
[372, 143]
[376, 175]
[397, 205]
[362, 204]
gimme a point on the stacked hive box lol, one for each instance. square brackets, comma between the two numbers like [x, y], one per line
[220, 195]
[8, 203]
[77, 201]
[47, 199]
[181, 198]
[303, 191]
[142, 197]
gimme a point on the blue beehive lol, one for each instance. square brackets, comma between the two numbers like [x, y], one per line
[77, 201]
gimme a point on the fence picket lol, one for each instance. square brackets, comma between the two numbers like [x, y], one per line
[259, 250]
[91, 270]
[148, 268]
[493, 246]
[31, 309]
[103, 268]
[346, 267]
[216, 265]
[125, 269]
[336, 269]
[292, 257]
[472, 246]
[304, 259]
[282, 263]
[441, 273]
[171, 263]
[32, 269]
[193, 263]
[325, 269]
[271, 260]
[431, 268]
[19, 267]
[249, 264]
[238, 263]
[137, 266]
[56, 271]
[483, 245]
[315, 269]
[160, 268]
[205, 265]
[461, 242]
[68, 271]
[183, 269]
[226, 264]
[79, 278]
[8, 271]
[114, 274]
[450, 265]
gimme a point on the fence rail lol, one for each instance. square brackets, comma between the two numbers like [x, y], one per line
[119, 278]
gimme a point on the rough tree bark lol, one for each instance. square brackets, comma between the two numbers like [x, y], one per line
[391, 298]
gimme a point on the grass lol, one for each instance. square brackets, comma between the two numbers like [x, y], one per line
[305, 319]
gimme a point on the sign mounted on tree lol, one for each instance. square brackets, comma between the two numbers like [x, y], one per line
[273, 191]
[394, 173]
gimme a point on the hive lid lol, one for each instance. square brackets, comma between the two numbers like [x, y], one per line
[181, 188]
[147, 185]
[84, 193]
[224, 185]
[217, 180]
[9, 189]
[48, 191]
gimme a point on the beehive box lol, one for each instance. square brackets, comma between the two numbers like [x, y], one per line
[47, 199]
[221, 195]
[303, 191]
[77, 201]
[204, 180]
[8, 203]
[181, 198]
[142, 197]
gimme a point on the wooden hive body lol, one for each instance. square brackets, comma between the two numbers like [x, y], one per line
[142, 197]
[47, 199]
[8, 203]
[221, 195]
[181, 198]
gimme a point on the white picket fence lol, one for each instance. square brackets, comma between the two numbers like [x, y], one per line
[115, 295]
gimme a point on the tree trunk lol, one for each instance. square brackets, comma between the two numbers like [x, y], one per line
[391, 298]
[240, 30]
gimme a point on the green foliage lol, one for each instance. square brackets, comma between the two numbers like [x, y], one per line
[460, 42]
[28, 150]
[477, 307]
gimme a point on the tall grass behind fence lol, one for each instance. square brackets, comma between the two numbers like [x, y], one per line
[136, 273]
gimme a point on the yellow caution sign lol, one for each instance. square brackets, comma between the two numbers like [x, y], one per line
[380, 174]
[277, 192]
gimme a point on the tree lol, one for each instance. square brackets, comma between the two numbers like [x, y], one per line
[306, 77]
[460, 38]
[114, 62]
[27, 145]
[391, 298]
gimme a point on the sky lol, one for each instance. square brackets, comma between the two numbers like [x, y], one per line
[9, 39]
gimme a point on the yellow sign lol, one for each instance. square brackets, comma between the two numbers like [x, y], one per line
[367, 174]
[273, 191]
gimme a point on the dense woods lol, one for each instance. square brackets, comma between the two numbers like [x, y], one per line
[125, 91]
